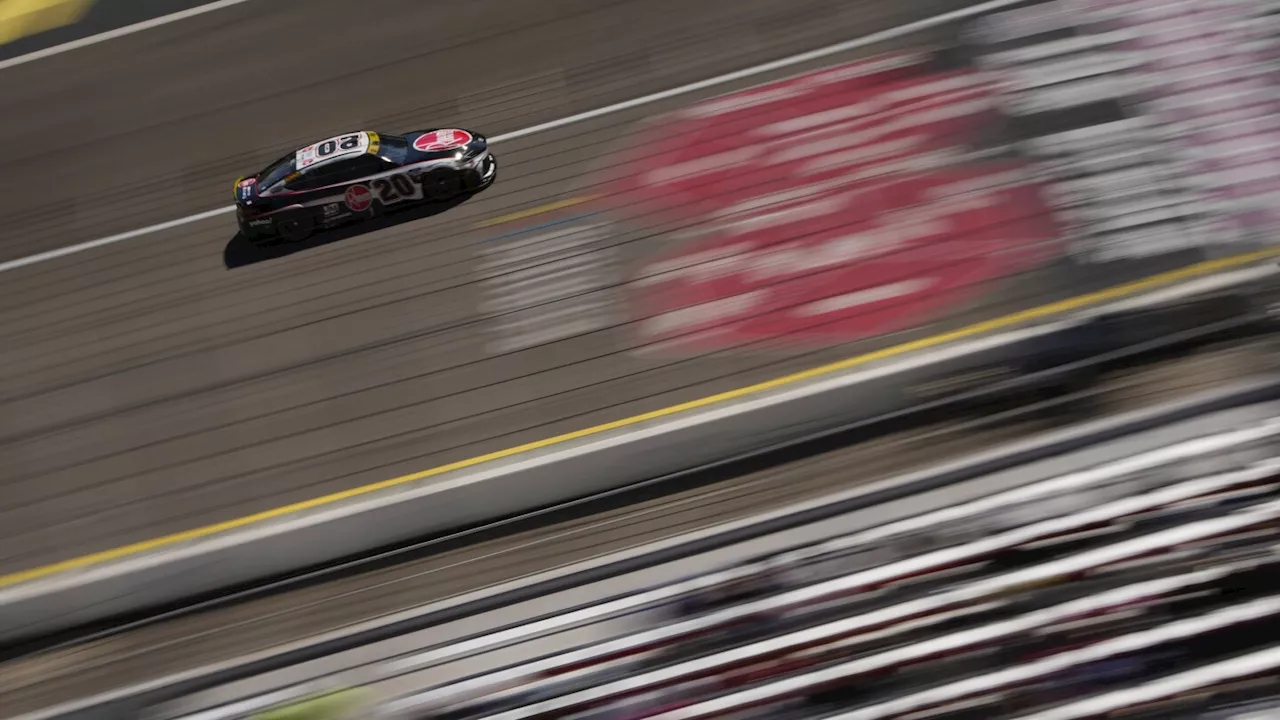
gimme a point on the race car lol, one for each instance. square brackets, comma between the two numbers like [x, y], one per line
[357, 175]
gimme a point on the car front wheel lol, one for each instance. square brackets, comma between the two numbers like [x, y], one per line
[441, 184]
[296, 227]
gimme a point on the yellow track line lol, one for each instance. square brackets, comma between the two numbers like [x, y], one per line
[534, 211]
[24, 18]
[1036, 313]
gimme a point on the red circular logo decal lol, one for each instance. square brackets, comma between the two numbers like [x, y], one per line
[359, 198]
[438, 140]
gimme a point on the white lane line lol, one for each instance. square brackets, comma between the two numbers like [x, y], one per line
[119, 32]
[71, 249]
[789, 61]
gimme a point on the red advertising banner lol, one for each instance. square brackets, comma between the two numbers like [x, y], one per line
[1055, 146]
[830, 207]
[853, 262]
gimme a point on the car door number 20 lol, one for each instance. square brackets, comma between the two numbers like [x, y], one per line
[396, 188]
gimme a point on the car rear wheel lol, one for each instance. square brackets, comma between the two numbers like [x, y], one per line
[441, 184]
[294, 228]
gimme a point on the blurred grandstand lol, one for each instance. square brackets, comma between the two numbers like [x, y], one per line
[1146, 587]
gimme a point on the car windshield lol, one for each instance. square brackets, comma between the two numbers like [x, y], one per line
[393, 148]
[276, 171]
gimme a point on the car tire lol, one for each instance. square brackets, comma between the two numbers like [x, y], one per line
[256, 237]
[441, 184]
[295, 227]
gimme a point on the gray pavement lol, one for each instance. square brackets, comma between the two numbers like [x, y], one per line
[148, 389]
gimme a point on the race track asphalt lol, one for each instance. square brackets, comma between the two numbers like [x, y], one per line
[177, 378]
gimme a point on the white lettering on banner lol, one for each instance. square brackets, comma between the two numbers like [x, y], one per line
[768, 265]
[1033, 53]
[1120, 185]
[864, 155]
[1079, 139]
[1021, 23]
[937, 91]
[768, 200]
[772, 217]
[847, 137]
[1123, 102]
[703, 314]
[856, 111]
[1141, 243]
[1065, 97]
[547, 286]
[919, 162]
[1059, 70]
[893, 231]
[1118, 160]
[1202, 75]
[863, 297]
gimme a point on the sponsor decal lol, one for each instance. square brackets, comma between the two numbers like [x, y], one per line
[244, 188]
[358, 198]
[331, 148]
[332, 214]
[440, 140]
[832, 207]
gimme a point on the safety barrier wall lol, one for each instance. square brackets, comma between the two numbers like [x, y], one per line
[919, 575]
[537, 479]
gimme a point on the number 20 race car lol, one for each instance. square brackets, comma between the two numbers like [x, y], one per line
[354, 176]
